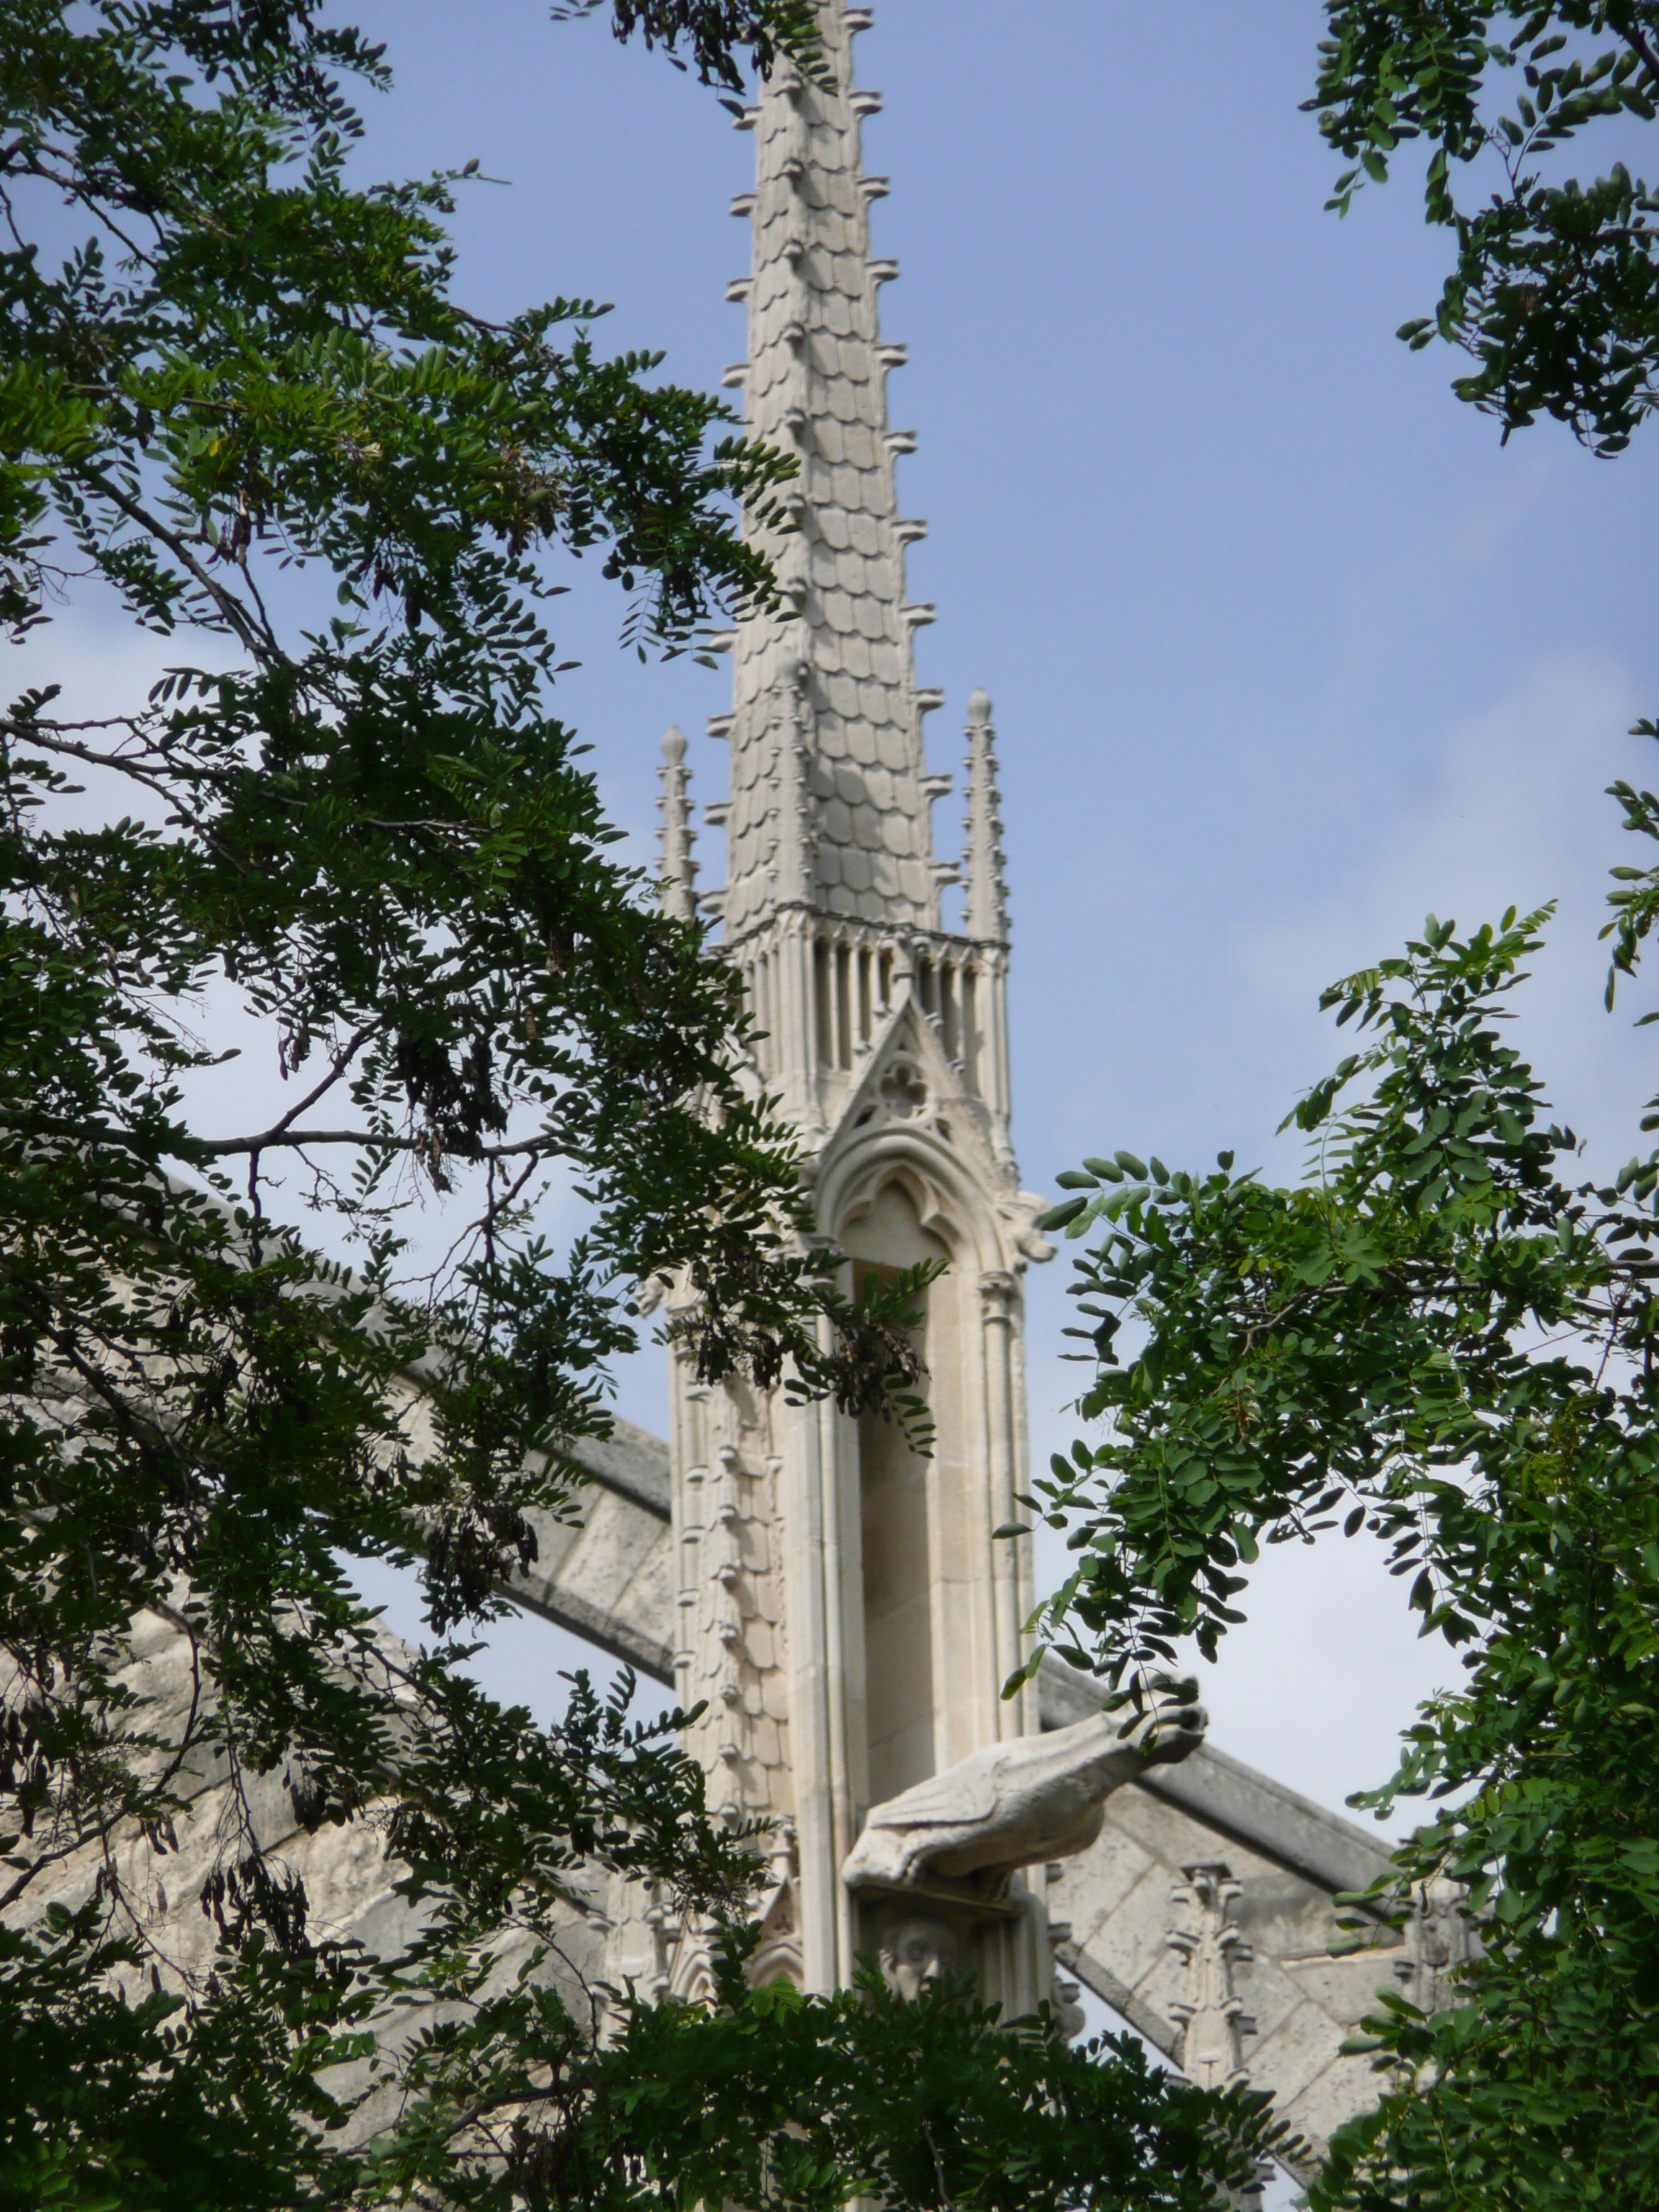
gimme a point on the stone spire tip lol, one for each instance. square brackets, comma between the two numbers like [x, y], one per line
[828, 810]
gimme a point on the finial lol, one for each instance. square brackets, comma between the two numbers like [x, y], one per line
[676, 835]
[985, 907]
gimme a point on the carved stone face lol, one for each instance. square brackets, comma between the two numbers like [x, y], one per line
[1174, 1723]
[914, 1951]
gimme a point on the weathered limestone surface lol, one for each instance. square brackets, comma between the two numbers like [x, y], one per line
[843, 1611]
[730, 1656]
[816, 383]
[346, 1877]
[1289, 1858]
[843, 1604]
[610, 1578]
[607, 1578]
[166, 1891]
[1015, 1803]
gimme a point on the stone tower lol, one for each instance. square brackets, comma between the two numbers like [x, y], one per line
[843, 1607]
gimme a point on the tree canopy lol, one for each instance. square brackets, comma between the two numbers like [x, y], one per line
[1439, 1337]
[1555, 288]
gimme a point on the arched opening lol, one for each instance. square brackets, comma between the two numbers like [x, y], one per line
[897, 1541]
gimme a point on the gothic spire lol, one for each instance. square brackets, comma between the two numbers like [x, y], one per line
[676, 836]
[985, 908]
[856, 840]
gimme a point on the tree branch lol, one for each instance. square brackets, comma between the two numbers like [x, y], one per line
[297, 1140]
[1632, 34]
[229, 606]
[338, 1066]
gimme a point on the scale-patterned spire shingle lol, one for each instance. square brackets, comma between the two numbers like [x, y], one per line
[834, 675]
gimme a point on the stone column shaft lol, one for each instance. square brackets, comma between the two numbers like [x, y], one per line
[997, 1293]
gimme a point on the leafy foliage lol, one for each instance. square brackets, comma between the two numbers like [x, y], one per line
[715, 30]
[1555, 290]
[799, 2104]
[1438, 1339]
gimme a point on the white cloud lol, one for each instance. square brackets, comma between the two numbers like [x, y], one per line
[105, 662]
[1328, 1668]
[1517, 817]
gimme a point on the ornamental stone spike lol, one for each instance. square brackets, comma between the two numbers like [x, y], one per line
[814, 384]
[794, 873]
[676, 836]
[984, 907]
[1210, 2011]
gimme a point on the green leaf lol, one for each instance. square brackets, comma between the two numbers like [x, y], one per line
[1058, 1216]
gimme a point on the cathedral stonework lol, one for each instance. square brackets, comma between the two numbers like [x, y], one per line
[840, 1608]
[847, 1616]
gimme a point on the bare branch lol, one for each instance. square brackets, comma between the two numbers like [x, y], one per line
[370, 1139]
[235, 614]
[338, 1066]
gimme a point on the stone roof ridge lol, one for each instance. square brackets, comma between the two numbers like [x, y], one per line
[833, 674]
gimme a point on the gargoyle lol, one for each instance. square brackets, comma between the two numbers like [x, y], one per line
[1033, 1797]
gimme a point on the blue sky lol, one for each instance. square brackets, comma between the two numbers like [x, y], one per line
[1285, 649]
